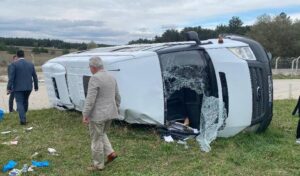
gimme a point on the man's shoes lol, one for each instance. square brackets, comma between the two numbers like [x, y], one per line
[298, 141]
[12, 111]
[94, 168]
[23, 123]
[111, 157]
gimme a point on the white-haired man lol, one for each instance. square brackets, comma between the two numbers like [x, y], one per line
[101, 106]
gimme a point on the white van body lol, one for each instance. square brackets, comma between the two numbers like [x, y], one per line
[138, 71]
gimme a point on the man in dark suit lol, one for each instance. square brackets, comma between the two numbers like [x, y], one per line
[11, 94]
[21, 76]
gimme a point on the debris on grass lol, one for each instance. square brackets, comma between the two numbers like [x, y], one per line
[25, 168]
[28, 129]
[10, 165]
[52, 151]
[14, 142]
[168, 139]
[34, 155]
[10, 143]
[5, 132]
[1, 114]
[40, 163]
[15, 172]
[30, 169]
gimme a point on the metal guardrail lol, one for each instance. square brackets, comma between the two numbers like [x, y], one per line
[291, 65]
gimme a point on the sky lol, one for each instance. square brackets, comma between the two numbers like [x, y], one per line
[120, 21]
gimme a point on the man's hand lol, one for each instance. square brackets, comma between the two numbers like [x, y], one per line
[8, 92]
[85, 120]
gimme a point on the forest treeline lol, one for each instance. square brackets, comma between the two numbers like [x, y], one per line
[278, 34]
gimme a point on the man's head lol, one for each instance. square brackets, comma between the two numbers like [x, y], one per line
[14, 58]
[20, 54]
[95, 64]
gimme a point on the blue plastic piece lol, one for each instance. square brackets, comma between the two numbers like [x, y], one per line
[1, 114]
[10, 165]
[40, 163]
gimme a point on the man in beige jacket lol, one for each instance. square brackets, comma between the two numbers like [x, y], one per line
[101, 106]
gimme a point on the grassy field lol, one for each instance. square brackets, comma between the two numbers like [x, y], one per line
[141, 152]
[279, 76]
[37, 59]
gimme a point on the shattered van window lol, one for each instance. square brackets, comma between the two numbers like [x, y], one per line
[213, 116]
[184, 69]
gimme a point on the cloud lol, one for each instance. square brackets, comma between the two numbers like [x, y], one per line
[119, 21]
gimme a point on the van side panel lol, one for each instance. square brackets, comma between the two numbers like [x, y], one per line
[237, 76]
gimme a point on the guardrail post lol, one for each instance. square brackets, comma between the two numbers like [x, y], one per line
[276, 63]
[293, 63]
[297, 61]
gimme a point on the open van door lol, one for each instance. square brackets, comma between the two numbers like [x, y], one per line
[55, 75]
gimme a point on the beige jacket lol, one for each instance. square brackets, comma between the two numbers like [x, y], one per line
[103, 98]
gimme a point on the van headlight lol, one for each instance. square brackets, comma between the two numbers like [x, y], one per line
[242, 52]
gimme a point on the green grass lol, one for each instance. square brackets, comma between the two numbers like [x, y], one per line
[141, 152]
[280, 76]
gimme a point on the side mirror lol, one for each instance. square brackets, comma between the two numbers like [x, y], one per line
[193, 36]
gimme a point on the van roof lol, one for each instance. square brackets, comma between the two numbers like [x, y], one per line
[138, 48]
[125, 52]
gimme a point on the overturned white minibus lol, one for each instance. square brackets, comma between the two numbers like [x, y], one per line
[163, 82]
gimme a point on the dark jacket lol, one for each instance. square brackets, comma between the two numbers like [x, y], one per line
[21, 75]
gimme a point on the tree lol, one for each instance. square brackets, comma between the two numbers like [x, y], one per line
[92, 45]
[235, 23]
[140, 41]
[170, 35]
[12, 49]
[276, 34]
[2, 47]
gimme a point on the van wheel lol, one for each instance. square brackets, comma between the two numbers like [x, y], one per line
[264, 125]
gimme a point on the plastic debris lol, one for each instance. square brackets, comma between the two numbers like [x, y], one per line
[1, 114]
[15, 172]
[34, 155]
[10, 143]
[30, 169]
[52, 151]
[14, 142]
[29, 129]
[40, 163]
[25, 168]
[10, 165]
[168, 139]
[5, 132]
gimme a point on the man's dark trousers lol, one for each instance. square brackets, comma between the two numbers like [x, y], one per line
[11, 101]
[22, 104]
[298, 130]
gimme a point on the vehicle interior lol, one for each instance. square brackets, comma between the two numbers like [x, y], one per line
[185, 76]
